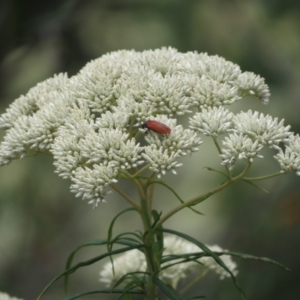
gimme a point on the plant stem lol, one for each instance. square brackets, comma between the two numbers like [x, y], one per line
[220, 151]
[264, 177]
[150, 243]
[202, 197]
[126, 197]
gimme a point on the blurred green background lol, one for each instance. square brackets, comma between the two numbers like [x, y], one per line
[41, 222]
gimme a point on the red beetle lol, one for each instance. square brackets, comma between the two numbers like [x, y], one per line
[156, 126]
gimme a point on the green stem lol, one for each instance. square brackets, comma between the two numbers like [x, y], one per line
[140, 171]
[151, 269]
[220, 151]
[150, 238]
[150, 191]
[152, 266]
[202, 197]
[137, 182]
[126, 197]
[264, 177]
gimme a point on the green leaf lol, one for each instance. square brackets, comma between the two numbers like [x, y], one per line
[256, 186]
[184, 258]
[120, 239]
[167, 289]
[176, 195]
[87, 263]
[159, 235]
[214, 170]
[71, 256]
[110, 229]
[110, 233]
[248, 256]
[126, 242]
[135, 279]
[212, 254]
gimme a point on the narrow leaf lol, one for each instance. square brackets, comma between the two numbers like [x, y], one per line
[167, 290]
[176, 195]
[159, 235]
[248, 256]
[212, 254]
[126, 242]
[256, 186]
[86, 263]
[110, 229]
[71, 256]
[214, 170]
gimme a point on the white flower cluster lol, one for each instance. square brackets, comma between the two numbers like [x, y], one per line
[89, 122]
[134, 261]
[4, 296]
[247, 133]
[289, 159]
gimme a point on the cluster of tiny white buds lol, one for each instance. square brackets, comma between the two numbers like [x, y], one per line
[91, 183]
[213, 121]
[160, 160]
[237, 146]
[289, 159]
[265, 129]
[254, 85]
[210, 93]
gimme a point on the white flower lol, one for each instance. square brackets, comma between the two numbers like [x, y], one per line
[34, 100]
[221, 70]
[254, 85]
[209, 93]
[134, 261]
[110, 145]
[160, 160]
[212, 121]
[264, 129]
[115, 120]
[91, 183]
[4, 296]
[239, 147]
[14, 144]
[289, 159]
[169, 94]
[140, 111]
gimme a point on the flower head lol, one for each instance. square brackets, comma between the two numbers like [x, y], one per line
[238, 146]
[254, 85]
[89, 122]
[264, 129]
[212, 121]
[289, 159]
